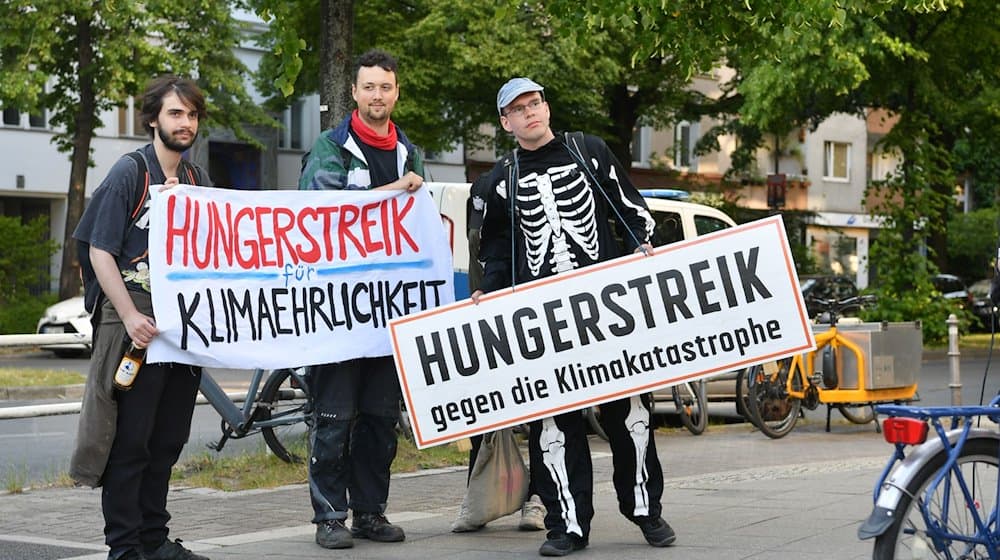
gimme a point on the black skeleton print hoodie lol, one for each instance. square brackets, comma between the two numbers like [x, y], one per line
[561, 219]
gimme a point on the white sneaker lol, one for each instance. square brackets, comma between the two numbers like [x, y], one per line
[462, 524]
[532, 515]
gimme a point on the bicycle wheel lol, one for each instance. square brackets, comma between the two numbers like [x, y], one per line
[742, 398]
[857, 413]
[404, 427]
[774, 412]
[592, 415]
[289, 440]
[692, 406]
[907, 536]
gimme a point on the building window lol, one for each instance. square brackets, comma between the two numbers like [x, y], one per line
[291, 136]
[37, 120]
[130, 120]
[11, 117]
[836, 161]
[682, 145]
[640, 146]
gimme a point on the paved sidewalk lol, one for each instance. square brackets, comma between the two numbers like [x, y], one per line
[730, 494]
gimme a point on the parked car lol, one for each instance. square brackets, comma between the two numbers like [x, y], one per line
[67, 316]
[952, 287]
[825, 287]
[982, 306]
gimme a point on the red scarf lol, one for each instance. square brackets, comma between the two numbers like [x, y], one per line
[372, 138]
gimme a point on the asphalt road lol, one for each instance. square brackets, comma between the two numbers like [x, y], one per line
[39, 448]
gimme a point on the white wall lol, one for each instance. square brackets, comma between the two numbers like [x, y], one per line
[832, 195]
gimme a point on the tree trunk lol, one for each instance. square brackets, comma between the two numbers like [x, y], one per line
[69, 275]
[623, 108]
[336, 61]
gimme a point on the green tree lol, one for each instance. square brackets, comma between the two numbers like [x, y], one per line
[24, 268]
[77, 58]
[454, 56]
[972, 243]
[926, 61]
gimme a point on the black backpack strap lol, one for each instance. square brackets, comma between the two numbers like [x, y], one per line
[92, 293]
[141, 183]
[576, 145]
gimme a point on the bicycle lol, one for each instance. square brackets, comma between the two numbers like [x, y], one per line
[689, 400]
[940, 499]
[777, 390]
[692, 405]
[274, 412]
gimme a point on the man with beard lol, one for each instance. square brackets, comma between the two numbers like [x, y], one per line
[129, 440]
[356, 402]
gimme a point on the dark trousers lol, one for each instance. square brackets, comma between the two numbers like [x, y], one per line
[356, 408]
[562, 473]
[154, 422]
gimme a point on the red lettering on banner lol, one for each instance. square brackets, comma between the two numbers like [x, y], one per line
[397, 220]
[366, 226]
[177, 231]
[280, 235]
[385, 228]
[201, 262]
[261, 239]
[327, 213]
[312, 255]
[223, 235]
[253, 261]
[349, 215]
[204, 233]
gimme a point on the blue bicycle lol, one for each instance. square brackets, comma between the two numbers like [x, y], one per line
[938, 496]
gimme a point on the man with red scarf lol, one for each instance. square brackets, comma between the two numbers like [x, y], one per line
[356, 402]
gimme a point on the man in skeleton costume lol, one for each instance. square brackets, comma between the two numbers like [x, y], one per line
[550, 209]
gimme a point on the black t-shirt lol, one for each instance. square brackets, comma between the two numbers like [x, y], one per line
[382, 166]
[105, 222]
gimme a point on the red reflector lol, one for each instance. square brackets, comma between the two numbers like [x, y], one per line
[904, 430]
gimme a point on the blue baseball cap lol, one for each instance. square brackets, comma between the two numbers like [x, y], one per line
[513, 89]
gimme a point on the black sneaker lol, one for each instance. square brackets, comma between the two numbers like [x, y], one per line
[657, 531]
[172, 550]
[131, 554]
[374, 526]
[561, 544]
[332, 533]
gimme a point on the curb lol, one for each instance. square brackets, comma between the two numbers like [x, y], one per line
[74, 392]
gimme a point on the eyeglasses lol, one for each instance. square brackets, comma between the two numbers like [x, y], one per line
[520, 109]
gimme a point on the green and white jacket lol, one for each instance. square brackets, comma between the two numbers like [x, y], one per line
[337, 162]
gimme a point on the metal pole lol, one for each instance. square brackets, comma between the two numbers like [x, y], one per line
[953, 361]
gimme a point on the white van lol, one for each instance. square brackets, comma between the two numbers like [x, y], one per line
[675, 221]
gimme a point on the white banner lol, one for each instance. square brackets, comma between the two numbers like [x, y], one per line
[272, 279]
[691, 310]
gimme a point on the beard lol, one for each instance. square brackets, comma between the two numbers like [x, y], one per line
[174, 145]
[377, 115]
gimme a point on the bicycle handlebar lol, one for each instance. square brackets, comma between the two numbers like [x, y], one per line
[834, 305]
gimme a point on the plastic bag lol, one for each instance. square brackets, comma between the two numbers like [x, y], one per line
[498, 484]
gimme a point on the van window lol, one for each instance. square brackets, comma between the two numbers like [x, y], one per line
[708, 224]
[669, 228]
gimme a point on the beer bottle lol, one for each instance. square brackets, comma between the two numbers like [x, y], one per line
[129, 367]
